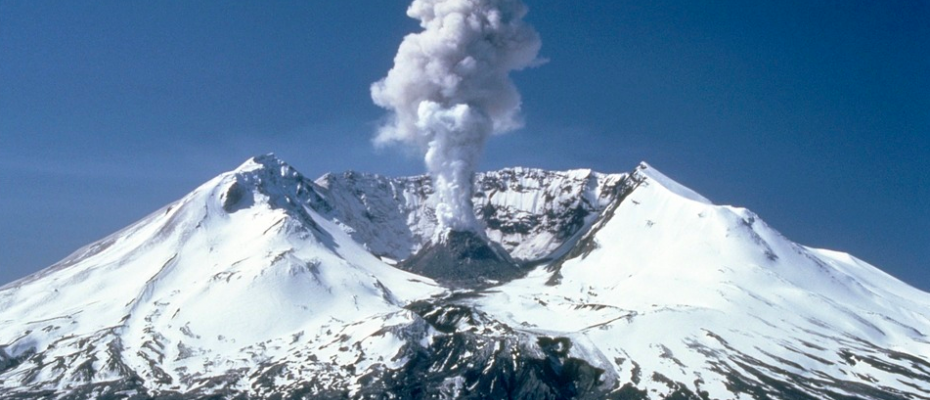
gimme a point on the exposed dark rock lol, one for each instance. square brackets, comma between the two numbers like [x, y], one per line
[463, 259]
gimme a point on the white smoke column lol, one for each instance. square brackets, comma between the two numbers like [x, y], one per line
[449, 91]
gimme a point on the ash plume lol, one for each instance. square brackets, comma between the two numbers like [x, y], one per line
[450, 90]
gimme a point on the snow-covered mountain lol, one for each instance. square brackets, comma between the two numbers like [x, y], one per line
[263, 284]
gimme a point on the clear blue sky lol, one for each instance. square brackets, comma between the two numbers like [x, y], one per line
[814, 114]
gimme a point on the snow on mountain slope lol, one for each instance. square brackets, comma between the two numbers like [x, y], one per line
[236, 273]
[263, 284]
[670, 290]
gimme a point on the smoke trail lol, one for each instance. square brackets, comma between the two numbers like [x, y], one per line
[449, 90]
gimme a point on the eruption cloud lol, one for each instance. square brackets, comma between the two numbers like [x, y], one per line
[450, 90]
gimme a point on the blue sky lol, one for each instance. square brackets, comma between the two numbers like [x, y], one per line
[814, 114]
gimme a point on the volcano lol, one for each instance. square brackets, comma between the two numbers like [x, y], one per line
[263, 284]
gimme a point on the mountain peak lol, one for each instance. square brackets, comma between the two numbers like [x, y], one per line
[267, 162]
[278, 183]
[648, 172]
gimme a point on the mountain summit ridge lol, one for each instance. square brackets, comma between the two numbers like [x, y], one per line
[263, 283]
